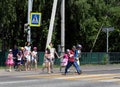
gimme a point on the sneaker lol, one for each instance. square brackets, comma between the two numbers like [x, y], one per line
[80, 72]
[68, 70]
[49, 72]
[9, 70]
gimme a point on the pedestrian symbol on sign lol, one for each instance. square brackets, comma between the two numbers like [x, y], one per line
[35, 19]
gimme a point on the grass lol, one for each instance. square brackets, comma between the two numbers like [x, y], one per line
[39, 66]
[2, 67]
[58, 66]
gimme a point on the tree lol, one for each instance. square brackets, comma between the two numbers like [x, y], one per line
[83, 21]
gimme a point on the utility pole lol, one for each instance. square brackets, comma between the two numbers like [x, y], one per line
[63, 26]
[51, 22]
[30, 2]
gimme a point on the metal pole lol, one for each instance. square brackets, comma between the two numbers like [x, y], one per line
[29, 11]
[63, 26]
[51, 22]
[107, 41]
[107, 29]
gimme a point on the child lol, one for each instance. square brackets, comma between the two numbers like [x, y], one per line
[9, 62]
[64, 61]
[34, 57]
[19, 59]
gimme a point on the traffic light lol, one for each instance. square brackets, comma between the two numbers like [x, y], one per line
[26, 29]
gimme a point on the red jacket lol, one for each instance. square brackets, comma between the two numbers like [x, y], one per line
[71, 56]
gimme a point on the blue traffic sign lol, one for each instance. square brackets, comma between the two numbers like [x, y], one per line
[35, 19]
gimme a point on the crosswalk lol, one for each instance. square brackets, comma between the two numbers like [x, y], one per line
[84, 77]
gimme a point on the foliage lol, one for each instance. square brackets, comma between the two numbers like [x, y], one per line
[83, 20]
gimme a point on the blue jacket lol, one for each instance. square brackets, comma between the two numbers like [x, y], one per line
[76, 54]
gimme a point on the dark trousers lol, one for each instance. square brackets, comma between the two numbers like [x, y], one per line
[75, 64]
[15, 63]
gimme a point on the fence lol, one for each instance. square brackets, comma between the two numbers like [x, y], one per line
[90, 58]
[3, 56]
[93, 58]
[86, 58]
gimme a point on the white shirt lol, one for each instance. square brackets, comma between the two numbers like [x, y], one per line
[52, 51]
[28, 48]
[34, 53]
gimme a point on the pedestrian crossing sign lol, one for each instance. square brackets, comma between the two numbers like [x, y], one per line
[35, 19]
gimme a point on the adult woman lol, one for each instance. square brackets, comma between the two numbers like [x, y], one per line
[47, 60]
[27, 54]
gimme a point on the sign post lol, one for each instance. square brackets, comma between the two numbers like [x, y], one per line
[107, 29]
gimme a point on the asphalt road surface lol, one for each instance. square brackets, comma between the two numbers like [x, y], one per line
[98, 78]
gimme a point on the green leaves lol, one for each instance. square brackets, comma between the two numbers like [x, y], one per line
[83, 20]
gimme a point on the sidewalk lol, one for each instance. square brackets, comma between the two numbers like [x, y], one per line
[100, 67]
[56, 70]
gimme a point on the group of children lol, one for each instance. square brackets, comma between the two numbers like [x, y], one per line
[25, 58]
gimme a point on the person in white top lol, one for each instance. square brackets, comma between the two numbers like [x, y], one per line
[34, 57]
[79, 46]
[49, 58]
[27, 54]
[19, 60]
[53, 52]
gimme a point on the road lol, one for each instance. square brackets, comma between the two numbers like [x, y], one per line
[96, 78]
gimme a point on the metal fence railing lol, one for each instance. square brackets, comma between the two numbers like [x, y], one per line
[86, 58]
[114, 57]
[3, 56]
[93, 58]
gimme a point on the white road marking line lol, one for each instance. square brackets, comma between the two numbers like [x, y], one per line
[84, 77]
[110, 80]
[89, 76]
[23, 81]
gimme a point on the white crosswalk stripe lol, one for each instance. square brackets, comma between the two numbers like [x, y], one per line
[84, 77]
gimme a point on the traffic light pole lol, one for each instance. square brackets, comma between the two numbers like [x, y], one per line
[30, 2]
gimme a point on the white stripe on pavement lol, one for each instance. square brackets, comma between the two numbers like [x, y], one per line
[83, 76]
[23, 81]
[110, 80]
